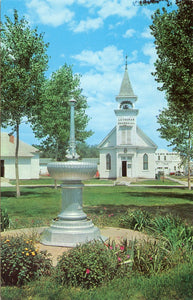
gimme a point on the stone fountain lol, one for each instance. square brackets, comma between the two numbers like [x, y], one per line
[72, 225]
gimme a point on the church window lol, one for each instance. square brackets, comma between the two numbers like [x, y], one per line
[108, 161]
[164, 157]
[158, 157]
[145, 162]
[125, 135]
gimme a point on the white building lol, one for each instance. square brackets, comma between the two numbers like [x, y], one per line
[43, 165]
[127, 151]
[28, 159]
[168, 162]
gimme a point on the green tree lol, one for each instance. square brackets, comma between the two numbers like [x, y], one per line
[178, 130]
[52, 120]
[87, 151]
[23, 63]
[173, 32]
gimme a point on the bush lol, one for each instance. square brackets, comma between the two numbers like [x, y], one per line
[135, 219]
[173, 230]
[4, 219]
[88, 265]
[151, 258]
[21, 261]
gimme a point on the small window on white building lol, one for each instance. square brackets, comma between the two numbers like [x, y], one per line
[158, 157]
[145, 162]
[108, 161]
[125, 135]
[165, 157]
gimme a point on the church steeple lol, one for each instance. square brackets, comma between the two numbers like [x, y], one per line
[126, 91]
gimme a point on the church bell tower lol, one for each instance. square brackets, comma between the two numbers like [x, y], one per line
[126, 113]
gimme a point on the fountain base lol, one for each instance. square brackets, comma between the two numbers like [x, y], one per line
[70, 233]
[72, 226]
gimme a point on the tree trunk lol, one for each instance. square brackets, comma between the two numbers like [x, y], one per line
[17, 161]
[189, 149]
[189, 179]
[56, 158]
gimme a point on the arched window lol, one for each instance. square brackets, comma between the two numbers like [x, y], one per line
[108, 161]
[145, 162]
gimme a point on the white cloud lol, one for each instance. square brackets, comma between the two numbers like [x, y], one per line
[89, 24]
[147, 12]
[58, 12]
[147, 33]
[124, 8]
[129, 33]
[54, 13]
[133, 56]
[106, 60]
[149, 50]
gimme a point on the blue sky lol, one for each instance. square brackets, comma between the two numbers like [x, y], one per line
[94, 37]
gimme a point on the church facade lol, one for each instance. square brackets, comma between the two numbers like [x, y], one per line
[127, 151]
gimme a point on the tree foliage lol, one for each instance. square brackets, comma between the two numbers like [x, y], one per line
[52, 118]
[173, 34]
[23, 63]
[87, 151]
[177, 128]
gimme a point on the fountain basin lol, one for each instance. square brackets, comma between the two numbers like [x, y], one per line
[72, 170]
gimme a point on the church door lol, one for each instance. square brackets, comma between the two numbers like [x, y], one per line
[2, 168]
[124, 168]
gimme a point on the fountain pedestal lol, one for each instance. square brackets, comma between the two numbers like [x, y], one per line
[72, 226]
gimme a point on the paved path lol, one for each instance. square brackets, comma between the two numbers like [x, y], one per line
[116, 234]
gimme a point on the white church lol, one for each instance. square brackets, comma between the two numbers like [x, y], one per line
[127, 151]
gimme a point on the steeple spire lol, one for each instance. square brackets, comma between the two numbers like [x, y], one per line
[126, 88]
[126, 91]
[126, 62]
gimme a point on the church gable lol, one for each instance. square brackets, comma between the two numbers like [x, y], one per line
[143, 140]
[109, 140]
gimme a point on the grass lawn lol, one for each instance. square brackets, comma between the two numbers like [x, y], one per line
[37, 206]
[46, 180]
[156, 182]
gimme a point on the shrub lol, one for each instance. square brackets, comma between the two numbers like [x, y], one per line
[21, 261]
[90, 264]
[151, 258]
[135, 219]
[173, 230]
[4, 219]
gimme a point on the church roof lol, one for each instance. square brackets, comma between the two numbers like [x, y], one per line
[126, 88]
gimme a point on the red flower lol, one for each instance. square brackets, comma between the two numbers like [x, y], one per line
[119, 259]
[87, 271]
[122, 247]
